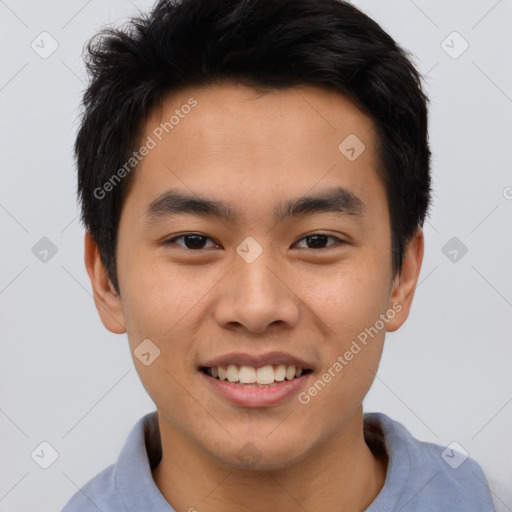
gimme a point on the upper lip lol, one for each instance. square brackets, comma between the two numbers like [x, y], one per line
[257, 361]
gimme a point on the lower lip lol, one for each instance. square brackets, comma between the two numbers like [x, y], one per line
[252, 396]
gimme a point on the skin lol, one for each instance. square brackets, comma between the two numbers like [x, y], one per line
[254, 150]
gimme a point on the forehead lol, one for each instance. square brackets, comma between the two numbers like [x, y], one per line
[238, 142]
[274, 117]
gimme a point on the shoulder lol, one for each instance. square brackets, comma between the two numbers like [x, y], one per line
[128, 484]
[99, 494]
[425, 476]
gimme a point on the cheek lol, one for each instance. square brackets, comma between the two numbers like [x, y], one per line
[347, 299]
[162, 306]
[351, 350]
[158, 297]
[349, 302]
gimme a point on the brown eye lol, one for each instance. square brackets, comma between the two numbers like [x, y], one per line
[317, 241]
[192, 241]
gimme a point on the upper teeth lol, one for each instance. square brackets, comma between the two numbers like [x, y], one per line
[250, 375]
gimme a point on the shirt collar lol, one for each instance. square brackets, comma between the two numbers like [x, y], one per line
[141, 452]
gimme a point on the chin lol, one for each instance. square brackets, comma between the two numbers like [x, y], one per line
[257, 454]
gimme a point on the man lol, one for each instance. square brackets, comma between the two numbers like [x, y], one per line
[254, 176]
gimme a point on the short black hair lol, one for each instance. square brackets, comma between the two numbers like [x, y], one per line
[264, 44]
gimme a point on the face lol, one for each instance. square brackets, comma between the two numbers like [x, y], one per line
[255, 240]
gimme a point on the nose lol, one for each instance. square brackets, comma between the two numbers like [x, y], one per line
[256, 296]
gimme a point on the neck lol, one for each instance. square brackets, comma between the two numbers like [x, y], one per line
[341, 474]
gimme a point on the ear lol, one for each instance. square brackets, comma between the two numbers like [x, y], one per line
[404, 284]
[107, 300]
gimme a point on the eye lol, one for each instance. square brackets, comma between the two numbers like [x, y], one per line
[317, 241]
[192, 241]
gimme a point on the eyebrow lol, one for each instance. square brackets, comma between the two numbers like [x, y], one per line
[334, 200]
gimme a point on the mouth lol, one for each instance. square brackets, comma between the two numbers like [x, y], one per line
[256, 377]
[255, 381]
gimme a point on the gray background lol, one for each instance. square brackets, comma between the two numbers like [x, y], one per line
[65, 380]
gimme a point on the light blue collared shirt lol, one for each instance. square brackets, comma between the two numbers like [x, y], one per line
[421, 477]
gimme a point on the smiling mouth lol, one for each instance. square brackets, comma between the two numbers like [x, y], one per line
[248, 376]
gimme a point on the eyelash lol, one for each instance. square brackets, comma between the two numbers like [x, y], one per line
[174, 239]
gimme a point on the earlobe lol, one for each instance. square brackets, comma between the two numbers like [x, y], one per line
[405, 284]
[107, 300]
